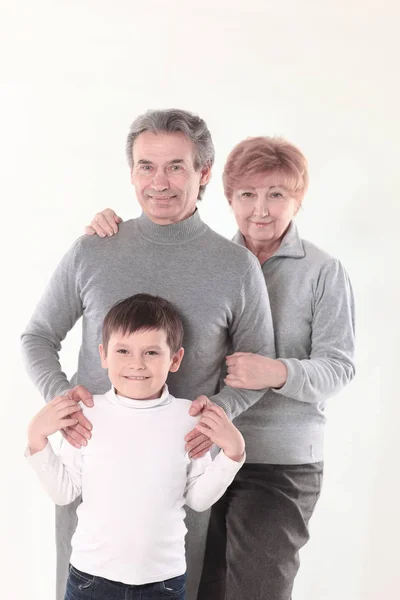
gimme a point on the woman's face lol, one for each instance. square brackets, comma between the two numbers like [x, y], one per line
[264, 207]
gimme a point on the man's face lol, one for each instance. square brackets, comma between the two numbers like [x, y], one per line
[138, 363]
[165, 180]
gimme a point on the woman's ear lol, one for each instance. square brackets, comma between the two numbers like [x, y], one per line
[176, 360]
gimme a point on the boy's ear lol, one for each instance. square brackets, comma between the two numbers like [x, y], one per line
[176, 360]
[103, 357]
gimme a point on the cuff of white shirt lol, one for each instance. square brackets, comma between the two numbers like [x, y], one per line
[228, 464]
[39, 459]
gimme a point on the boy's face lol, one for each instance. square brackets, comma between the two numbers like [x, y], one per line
[138, 363]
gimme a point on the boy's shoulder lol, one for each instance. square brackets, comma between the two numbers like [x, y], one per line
[181, 407]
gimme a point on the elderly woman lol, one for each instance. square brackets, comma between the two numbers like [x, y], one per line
[258, 527]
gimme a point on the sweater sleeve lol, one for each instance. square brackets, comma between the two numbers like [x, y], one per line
[208, 479]
[331, 363]
[57, 312]
[251, 330]
[60, 475]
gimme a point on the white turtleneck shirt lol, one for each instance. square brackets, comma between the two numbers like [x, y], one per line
[135, 478]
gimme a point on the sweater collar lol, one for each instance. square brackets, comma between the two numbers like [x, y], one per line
[164, 399]
[291, 244]
[176, 233]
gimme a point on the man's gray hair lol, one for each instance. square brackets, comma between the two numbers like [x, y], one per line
[174, 120]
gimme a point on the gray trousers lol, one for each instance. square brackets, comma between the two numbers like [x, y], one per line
[196, 524]
[256, 531]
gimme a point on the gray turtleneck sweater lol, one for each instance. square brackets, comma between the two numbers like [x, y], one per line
[216, 285]
[312, 305]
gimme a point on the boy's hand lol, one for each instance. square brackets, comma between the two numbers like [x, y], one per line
[197, 444]
[78, 434]
[219, 428]
[59, 413]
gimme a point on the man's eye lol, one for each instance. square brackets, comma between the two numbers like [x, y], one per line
[175, 168]
[122, 351]
[145, 167]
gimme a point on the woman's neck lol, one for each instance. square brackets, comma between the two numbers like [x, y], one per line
[263, 250]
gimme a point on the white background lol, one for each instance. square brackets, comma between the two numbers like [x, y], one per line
[325, 75]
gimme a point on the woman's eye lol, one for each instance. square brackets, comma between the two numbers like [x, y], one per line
[247, 194]
[276, 195]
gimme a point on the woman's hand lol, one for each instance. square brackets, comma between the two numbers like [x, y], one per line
[254, 372]
[104, 223]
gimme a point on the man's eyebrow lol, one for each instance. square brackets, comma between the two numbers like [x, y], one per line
[142, 161]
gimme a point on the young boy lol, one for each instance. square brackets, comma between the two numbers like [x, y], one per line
[134, 474]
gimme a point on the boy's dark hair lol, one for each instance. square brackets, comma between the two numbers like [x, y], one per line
[144, 312]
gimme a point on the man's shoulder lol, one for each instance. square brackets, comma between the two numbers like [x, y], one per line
[95, 242]
[229, 250]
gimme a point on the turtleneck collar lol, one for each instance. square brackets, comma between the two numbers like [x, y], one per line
[291, 244]
[164, 399]
[176, 233]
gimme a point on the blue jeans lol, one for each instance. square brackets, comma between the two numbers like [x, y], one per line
[82, 586]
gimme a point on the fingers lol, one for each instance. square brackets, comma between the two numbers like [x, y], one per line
[86, 424]
[217, 410]
[233, 382]
[209, 415]
[202, 449]
[198, 405]
[70, 439]
[67, 423]
[104, 223]
[197, 440]
[69, 410]
[79, 434]
[89, 230]
[207, 422]
[230, 358]
[81, 394]
[191, 435]
[117, 220]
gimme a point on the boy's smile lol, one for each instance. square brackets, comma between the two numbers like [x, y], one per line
[138, 363]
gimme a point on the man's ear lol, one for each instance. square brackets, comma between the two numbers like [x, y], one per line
[103, 356]
[176, 360]
[205, 174]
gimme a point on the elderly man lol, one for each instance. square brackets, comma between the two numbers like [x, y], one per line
[168, 251]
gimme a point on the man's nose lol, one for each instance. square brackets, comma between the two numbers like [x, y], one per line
[160, 181]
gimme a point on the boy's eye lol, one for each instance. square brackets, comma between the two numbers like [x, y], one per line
[152, 353]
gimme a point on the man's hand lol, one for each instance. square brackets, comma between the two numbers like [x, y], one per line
[104, 223]
[198, 444]
[60, 412]
[78, 434]
[254, 372]
[215, 423]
